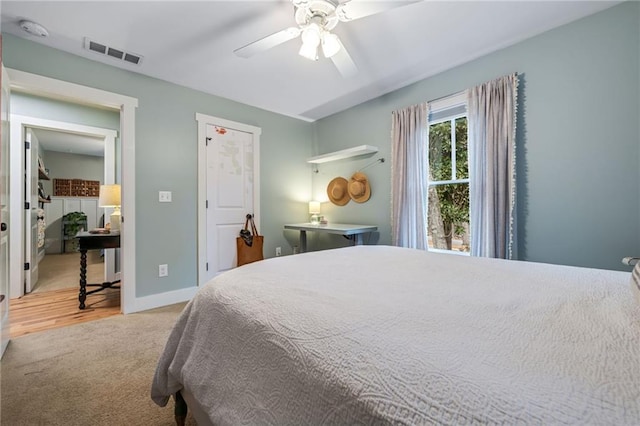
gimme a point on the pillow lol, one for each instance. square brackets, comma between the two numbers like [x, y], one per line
[635, 281]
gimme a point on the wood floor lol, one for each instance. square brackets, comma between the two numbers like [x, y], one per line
[58, 271]
[54, 300]
[36, 312]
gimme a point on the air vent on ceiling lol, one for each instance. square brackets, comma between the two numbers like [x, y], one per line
[120, 54]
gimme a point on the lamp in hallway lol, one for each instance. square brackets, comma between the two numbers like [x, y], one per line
[110, 197]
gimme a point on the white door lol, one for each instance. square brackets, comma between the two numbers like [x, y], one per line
[53, 213]
[4, 211]
[230, 182]
[31, 216]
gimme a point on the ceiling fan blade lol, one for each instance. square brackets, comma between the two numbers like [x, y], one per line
[342, 60]
[359, 9]
[267, 42]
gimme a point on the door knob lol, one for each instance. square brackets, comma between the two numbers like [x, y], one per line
[3, 227]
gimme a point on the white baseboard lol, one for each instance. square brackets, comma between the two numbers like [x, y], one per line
[158, 300]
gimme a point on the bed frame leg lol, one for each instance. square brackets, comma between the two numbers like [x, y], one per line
[180, 410]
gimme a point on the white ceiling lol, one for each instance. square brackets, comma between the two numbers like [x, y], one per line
[70, 143]
[192, 43]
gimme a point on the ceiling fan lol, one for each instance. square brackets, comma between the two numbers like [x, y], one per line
[316, 19]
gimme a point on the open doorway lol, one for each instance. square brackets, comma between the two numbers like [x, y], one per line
[126, 106]
[24, 82]
[64, 158]
[56, 152]
[65, 165]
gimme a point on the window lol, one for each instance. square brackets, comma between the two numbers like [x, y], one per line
[448, 180]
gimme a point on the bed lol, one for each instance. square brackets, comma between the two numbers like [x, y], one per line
[388, 335]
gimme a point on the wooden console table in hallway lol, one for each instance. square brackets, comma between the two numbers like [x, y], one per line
[89, 241]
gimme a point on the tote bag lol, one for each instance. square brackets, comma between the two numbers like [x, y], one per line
[249, 243]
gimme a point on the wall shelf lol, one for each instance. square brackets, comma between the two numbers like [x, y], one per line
[345, 153]
[42, 175]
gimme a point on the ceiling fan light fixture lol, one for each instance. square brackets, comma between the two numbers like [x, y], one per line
[309, 51]
[315, 20]
[311, 35]
[310, 42]
[330, 44]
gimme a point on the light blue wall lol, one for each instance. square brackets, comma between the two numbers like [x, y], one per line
[64, 165]
[51, 109]
[66, 112]
[578, 153]
[166, 159]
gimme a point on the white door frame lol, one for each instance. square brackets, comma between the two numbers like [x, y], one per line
[18, 124]
[6, 208]
[48, 87]
[204, 120]
[31, 180]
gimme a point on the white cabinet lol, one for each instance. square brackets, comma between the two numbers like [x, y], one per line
[88, 206]
[60, 206]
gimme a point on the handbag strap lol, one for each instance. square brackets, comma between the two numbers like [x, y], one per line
[253, 227]
[254, 230]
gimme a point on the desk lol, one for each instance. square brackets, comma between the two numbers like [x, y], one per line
[354, 232]
[88, 241]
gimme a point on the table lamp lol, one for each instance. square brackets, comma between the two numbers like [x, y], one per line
[314, 211]
[110, 197]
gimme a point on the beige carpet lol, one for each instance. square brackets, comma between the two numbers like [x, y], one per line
[96, 373]
[59, 271]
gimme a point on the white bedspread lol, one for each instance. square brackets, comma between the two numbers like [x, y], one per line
[379, 335]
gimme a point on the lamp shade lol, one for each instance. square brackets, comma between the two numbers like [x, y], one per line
[311, 35]
[314, 207]
[309, 51]
[109, 196]
[330, 44]
[310, 41]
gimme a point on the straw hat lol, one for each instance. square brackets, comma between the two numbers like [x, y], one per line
[359, 189]
[337, 191]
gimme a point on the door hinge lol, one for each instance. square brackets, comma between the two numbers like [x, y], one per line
[27, 206]
[27, 266]
[27, 145]
[207, 204]
[206, 141]
[207, 266]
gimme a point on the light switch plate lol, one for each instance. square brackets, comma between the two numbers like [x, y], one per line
[163, 270]
[164, 196]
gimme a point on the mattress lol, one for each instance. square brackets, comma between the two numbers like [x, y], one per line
[388, 335]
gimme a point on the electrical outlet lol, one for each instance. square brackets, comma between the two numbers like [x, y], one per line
[163, 270]
[164, 196]
[278, 251]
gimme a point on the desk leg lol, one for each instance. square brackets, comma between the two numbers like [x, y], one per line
[303, 241]
[83, 278]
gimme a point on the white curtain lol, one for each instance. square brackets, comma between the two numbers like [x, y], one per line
[409, 167]
[492, 187]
